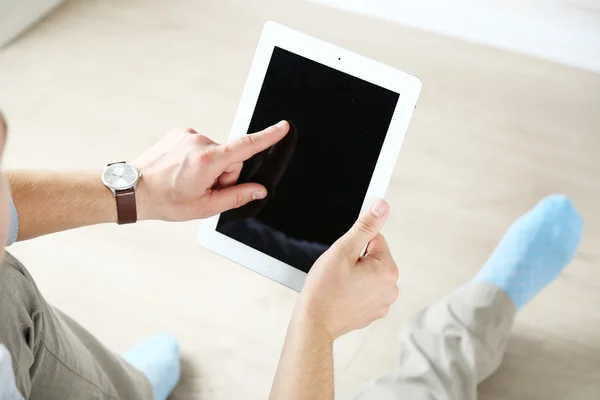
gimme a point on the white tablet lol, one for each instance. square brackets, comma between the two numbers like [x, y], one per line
[348, 115]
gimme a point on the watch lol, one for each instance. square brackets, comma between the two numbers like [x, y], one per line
[122, 179]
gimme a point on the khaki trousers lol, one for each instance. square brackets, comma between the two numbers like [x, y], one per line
[53, 357]
[446, 350]
[449, 348]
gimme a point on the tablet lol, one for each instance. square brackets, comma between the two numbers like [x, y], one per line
[348, 116]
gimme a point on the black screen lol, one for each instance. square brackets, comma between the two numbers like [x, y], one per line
[318, 175]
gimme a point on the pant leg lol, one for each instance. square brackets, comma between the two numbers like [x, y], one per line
[450, 347]
[53, 357]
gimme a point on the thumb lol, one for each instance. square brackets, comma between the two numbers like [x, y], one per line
[234, 197]
[366, 227]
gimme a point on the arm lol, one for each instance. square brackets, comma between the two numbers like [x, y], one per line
[342, 292]
[305, 370]
[185, 176]
[50, 202]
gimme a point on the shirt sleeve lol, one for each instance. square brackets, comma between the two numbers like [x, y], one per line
[8, 389]
[13, 230]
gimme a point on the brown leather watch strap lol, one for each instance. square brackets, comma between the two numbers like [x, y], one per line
[126, 206]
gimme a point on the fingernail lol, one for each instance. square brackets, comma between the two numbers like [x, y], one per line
[259, 194]
[379, 208]
[281, 124]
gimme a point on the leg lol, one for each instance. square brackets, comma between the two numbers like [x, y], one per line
[452, 346]
[54, 357]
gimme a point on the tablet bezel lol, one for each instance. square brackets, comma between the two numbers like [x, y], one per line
[275, 35]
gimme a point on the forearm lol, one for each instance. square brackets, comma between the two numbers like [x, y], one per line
[305, 370]
[50, 202]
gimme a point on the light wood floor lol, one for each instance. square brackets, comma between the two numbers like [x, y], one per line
[492, 134]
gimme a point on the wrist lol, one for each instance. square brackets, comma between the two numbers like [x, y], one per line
[142, 199]
[146, 197]
[311, 329]
[309, 318]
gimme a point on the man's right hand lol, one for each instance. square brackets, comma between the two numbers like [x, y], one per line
[188, 176]
[345, 291]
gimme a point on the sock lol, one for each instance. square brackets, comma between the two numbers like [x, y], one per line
[159, 359]
[534, 250]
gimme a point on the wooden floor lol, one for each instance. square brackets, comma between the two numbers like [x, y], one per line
[493, 133]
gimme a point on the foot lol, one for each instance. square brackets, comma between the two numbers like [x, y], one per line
[534, 250]
[159, 359]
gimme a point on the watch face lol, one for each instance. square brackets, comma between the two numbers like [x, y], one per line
[120, 176]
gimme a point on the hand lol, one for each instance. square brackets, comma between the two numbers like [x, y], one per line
[345, 291]
[267, 168]
[187, 176]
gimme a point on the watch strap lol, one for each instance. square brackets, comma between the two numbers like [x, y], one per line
[126, 206]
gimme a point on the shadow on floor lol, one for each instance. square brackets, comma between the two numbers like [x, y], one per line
[542, 369]
[190, 385]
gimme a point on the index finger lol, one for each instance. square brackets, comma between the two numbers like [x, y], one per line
[241, 149]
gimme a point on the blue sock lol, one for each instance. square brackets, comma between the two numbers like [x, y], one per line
[534, 250]
[159, 359]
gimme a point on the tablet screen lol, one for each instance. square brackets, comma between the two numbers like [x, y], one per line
[318, 175]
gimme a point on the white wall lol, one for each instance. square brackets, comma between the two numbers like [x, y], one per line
[18, 15]
[565, 31]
